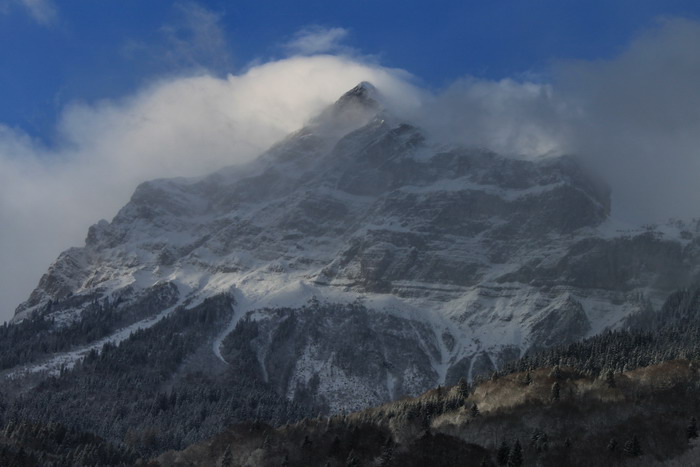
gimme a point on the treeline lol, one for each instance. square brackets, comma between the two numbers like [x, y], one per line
[40, 335]
[521, 422]
[650, 338]
[150, 392]
[25, 444]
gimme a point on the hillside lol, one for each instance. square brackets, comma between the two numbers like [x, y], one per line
[577, 404]
[358, 261]
[593, 421]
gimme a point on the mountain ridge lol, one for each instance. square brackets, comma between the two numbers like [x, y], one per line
[488, 257]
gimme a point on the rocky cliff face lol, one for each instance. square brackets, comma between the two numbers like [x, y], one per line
[456, 259]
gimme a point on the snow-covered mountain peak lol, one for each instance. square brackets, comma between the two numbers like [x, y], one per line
[353, 110]
[474, 256]
[363, 94]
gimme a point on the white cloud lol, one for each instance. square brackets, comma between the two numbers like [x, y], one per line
[518, 119]
[176, 127]
[317, 40]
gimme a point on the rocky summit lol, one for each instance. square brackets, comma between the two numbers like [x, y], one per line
[364, 261]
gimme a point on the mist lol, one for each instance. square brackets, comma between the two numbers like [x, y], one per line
[637, 121]
[634, 117]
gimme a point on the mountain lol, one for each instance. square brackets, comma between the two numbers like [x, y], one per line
[623, 397]
[355, 262]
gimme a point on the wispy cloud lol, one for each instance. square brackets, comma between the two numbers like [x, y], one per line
[514, 118]
[195, 39]
[43, 11]
[317, 39]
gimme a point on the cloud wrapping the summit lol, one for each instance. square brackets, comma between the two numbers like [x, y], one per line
[184, 126]
[512, 118]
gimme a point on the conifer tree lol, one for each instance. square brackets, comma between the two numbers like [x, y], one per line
[610, 378]
[691, 430]
[335, 446]
[227, 458]
[633, 448]
[306, 444]
[556, 373]
[474, 410]
[555, 391]
[515, 459]
[387, 454]
[352, 460]
[463, 387]
[503, 453]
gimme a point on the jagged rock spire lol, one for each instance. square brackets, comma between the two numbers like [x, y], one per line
[364, 94]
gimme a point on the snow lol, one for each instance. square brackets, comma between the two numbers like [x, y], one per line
[239, 246]
[67, 360]
[466, 184]
[343, 392]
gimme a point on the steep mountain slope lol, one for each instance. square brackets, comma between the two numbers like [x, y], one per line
[159, 390]
[642, 420]
[366, 261]
[619, 398]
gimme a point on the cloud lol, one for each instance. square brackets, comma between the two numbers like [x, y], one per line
[183, 126]
[194, 39]
[318, 40]
[517, 119]
[638, 120]
[43, 11]
[634, 118]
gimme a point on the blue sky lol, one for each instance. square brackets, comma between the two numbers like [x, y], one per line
[54, 53]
